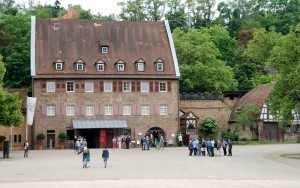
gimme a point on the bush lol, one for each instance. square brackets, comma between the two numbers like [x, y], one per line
[209, 125]
[231, 136]
[62, 135]
[243, 139]
[2, 138]
[40, 136]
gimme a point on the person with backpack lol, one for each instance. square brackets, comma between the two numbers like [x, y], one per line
[85, 153]
[105, 156]
[26, 147]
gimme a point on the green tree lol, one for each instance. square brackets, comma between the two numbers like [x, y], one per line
[247, 116]
[155, 9]
[133, 10]
[209, 125]
[176, 15]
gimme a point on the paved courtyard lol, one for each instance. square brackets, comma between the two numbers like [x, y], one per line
[250, 166]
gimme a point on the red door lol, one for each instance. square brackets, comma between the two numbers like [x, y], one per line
[102, 137]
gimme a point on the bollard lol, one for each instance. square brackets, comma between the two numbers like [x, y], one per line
[6, 149]
[50, 143]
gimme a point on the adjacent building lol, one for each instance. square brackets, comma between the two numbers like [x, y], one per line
[100, 79]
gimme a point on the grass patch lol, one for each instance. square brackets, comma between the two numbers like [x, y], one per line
[291, 156]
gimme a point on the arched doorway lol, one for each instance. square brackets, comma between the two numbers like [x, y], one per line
[155, 132]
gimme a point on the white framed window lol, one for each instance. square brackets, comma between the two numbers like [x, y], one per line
[101, 67]
[163, 109]
[108, 110]
[141, 67]
[70, 86]
[104, 49]
[89, 87]
[58, 66]
[50, 86]
[79, 66]
[162, 86]
[70, 110]
[51, 110]
[127, 110]
[144, 86]
[107, 86]
[89, 110]
[120, 67]
[145, 110]
[126, 86]
[160, 67]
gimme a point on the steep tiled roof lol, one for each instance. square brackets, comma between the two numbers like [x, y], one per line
[257, 96]
[70, 40]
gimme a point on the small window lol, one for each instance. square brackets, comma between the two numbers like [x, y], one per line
[140, 67]
[144, 86]
[20, 138]
[162, 87]
[100, 67]
[104, 49]
[89, 111]
[70, 110]
[50, 86]
[126, 87]
[80, 67]
[58, 66]
[120, 67]
[50, 110]
[160, 67]
[89, 87]
[15, 138]
[145, 110]
[108, 110]
[107, 86]
[163, 110]
[70, 86]
[127, 110]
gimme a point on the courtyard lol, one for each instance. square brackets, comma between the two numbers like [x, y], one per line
[250, 166]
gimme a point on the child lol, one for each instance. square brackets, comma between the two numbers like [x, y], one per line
[105, 156]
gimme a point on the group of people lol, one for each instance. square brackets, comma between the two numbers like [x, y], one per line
[121, 142]
[212, 147]
[81, 147]
[147, 141]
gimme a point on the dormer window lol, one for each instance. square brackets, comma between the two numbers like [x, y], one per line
[104, 46]
[159, 65]
[79, 64]
[140, 65]
[58, 65]
[120, 66]
[100, 66]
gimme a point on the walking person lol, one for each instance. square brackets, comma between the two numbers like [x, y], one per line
[105, 156]
[180, 140]
[85, 153]
[229, 147]
[219, 145]
[224, 146]
[209, 147]
[190, 146]
[195, 146]
[26, 147]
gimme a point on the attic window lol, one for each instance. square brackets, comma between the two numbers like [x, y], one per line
[79, 65]
[159, 65]
[104, 49]
[100, 66]
[58, 65]
[120, 66]
[140, 65]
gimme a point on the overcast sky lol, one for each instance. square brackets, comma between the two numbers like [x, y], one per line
[105, 7]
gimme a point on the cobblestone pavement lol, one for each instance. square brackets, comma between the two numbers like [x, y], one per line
[250, 166]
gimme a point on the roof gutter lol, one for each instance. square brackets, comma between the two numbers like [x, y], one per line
[32, 46]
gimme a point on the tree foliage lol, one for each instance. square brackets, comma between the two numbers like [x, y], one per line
[247, 116]
[209, 125]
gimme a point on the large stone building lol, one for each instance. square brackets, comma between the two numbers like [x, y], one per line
[100, 79]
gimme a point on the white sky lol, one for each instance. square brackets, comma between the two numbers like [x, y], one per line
[105, 7]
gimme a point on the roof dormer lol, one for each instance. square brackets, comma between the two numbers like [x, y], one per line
[79, 65]
[140, 65]
[159, 65]
[58, 65]
[120, 65]
[104, 47]
[100, 66]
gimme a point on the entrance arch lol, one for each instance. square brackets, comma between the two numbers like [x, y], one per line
[154, 132]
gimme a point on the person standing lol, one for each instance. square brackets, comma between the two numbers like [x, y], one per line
[219, 145]
[105, 156]
[229, 147]
[224, 146]
[195, 146]
[26, 147]
[180, 140]
[85, 153]
[209, 147]
[190, 146]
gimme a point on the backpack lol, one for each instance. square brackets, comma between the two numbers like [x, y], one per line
[85, 150]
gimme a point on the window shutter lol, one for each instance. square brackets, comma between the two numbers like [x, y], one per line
[82, 87]
[96, 85]
[101, 110]
[63, 86]
[63, 110]
[151, 86]
[44, 110]
[101, 86]
[114, 86]
[120, 87]
[57, 86]
[77, 85]
[57, 110]
[138, 86]
[133, 86]
[156, 86]
[44, 85]
[169, 86]
[77, 110]
[83, 110]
